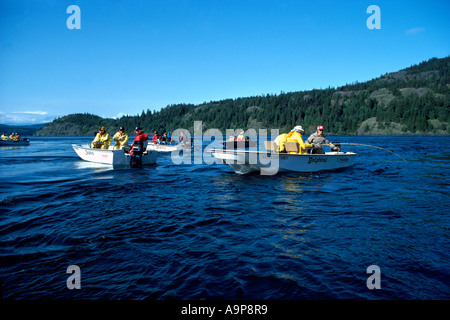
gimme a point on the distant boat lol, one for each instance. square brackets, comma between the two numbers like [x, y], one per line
[164, 147]
[116, 158]
[11, 143]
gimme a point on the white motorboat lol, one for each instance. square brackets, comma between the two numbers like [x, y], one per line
[164, 147]
[271, 162]
[116, 158]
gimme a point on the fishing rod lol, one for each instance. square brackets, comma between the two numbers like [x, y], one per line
[368, 145]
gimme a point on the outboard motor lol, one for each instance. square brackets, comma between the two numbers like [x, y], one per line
[136, 158]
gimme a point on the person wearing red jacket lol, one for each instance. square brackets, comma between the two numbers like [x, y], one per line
[141, 136]
[156, 138]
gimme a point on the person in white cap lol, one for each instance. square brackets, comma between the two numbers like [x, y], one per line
[241, 137]
[318, 139]
[296, 136]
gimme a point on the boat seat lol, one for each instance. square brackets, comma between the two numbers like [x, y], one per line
[291, 146]
[271, 146]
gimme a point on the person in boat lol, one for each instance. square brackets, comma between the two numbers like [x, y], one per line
[318, 139]
[11, 137]
[102, 139]
[121, 138]
[295, 135]
[164, 138]
[280, 141]
[181, 138]
[156, 138]
[169, 137]
[232, 138]
[17, 137]
[241, 137]
[140, 136]
[4, 138]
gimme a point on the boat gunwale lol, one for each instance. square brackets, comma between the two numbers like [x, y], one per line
[232, 151]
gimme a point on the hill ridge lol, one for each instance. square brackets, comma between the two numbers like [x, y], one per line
[414, 100]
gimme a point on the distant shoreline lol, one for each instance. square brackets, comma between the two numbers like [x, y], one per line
[306, 135]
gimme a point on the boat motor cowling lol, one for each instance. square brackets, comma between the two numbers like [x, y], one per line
[136, 158]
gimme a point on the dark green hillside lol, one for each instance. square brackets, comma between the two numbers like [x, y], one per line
[23, 130]
[76, 125]
[415, 100]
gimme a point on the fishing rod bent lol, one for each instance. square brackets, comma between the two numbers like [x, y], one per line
[368, 145]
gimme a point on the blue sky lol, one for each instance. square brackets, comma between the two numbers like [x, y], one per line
[131, 56]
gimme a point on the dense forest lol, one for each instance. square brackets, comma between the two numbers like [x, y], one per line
[415, 100]
[23, 130]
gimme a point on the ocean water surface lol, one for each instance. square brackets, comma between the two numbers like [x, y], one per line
[199, 231]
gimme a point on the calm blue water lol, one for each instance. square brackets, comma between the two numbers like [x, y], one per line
[202, 232]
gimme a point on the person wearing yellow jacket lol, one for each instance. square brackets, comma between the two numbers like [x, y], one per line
[4, 138]
[102, 139]
[121, 139]
[296, 136]
[280, 141]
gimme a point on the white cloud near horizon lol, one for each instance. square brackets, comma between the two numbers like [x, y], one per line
[32, 112]
[25, 117]
[414, 31]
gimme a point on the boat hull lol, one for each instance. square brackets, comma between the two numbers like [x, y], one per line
[9, 143]
[164, 147]
[116, 158]
[267, 163]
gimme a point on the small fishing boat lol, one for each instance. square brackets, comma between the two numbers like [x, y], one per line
[11, 143]
[116, 158]
[164, 147]
[270, 162]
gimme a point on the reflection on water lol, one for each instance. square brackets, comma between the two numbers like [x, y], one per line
[92, 165]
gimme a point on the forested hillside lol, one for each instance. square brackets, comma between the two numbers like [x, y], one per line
[415, 100]
[23, 130]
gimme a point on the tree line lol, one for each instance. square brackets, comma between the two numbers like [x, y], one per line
[417, 98]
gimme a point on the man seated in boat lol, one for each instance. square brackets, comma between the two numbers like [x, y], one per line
[121, 139]
[318, 139]
[280, 142]
[164, 139]
[102, 139]
[17, 137]
[181, 138]
[140, 137]
[11, 137]
[241, 137]
[156, 138]
[4, 138]
[295, 135]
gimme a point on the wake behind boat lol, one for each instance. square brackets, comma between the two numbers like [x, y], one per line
[116, 158]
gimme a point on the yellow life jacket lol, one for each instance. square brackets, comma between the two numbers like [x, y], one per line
[294, 136]
[105, 138]
[122, 143]
[280, 141]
